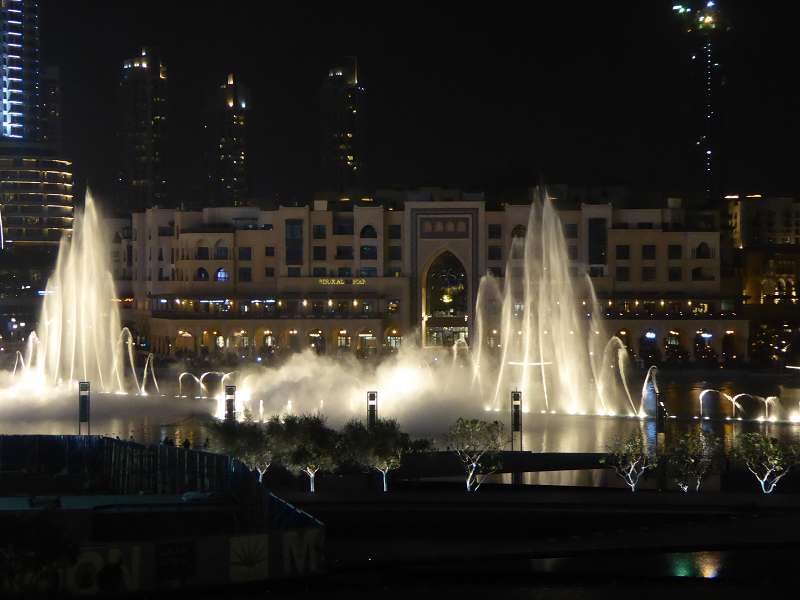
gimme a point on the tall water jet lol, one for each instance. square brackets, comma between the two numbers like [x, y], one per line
[553, 345]
[78, 334]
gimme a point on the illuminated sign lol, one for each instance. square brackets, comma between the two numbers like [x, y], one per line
[341, 281]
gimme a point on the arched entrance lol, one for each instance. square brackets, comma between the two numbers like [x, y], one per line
[343, 341]
[649, 352]
[445, 302]
[316, 339]
[674, 350]
[293, 340]
[367, 344]
[184, 343]
[703, 351]
[393, 339]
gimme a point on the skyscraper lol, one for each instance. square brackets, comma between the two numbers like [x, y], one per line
[703, 26]
[20, 65]
[226, 154]
[141, 181]
[342, 160]
[36, 208]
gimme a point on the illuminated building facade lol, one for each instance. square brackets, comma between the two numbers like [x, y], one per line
[19, 60]
[342, 159]
[226, 129]
[142, 181]
[36, 204]
[763, 219]
[367, 275]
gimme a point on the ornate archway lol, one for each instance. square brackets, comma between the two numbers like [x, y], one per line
[445, 301]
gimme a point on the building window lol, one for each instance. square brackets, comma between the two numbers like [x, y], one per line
[623, 274]
[701, 274]
[675, 273]
[648, 273]
[245, 253]
[343, 341]
[269, 272]
[220, 252]
[623, 252]
[319, 252]
[597, 241]
[161, 254]
[368, 232]
[344, 252]
[269, 250]
[222, 275]
[571, 231]
[319, 232]
[369, 252]
[319, 272]
[345, 272]
[368, 272]
[394, 232]
[674, 252]
[395, 253]
[201, 253]
[648, 252]
[597, 271]
[495, 253]
[245, 274]
[495, 231]
[572, 252]
[393, 306]
[703, 250]
[293, 271]
[294, 241]
[644, 226]
[342, 224]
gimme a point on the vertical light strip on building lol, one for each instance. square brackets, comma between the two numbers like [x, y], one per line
[13, 95]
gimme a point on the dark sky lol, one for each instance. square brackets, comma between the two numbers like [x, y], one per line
[486, 97]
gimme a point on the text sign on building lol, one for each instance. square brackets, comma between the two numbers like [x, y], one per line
[341, 281]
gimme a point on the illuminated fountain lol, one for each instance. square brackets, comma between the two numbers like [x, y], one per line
[79, 336]
[543, 340]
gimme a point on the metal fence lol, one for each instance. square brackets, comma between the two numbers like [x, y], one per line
[93, 464]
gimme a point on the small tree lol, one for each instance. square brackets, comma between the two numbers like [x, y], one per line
[630, 458]
[380, 447]
[766, 458]
[255, 449]
[248, 442]
[477, 444]
[305, 444]
[691, 458]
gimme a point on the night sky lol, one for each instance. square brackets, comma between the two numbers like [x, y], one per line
[479, 97]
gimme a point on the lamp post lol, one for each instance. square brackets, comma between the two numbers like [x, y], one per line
[516, 430]
[84, 407]
[516, 420]
[230, 402]
[372, 409]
